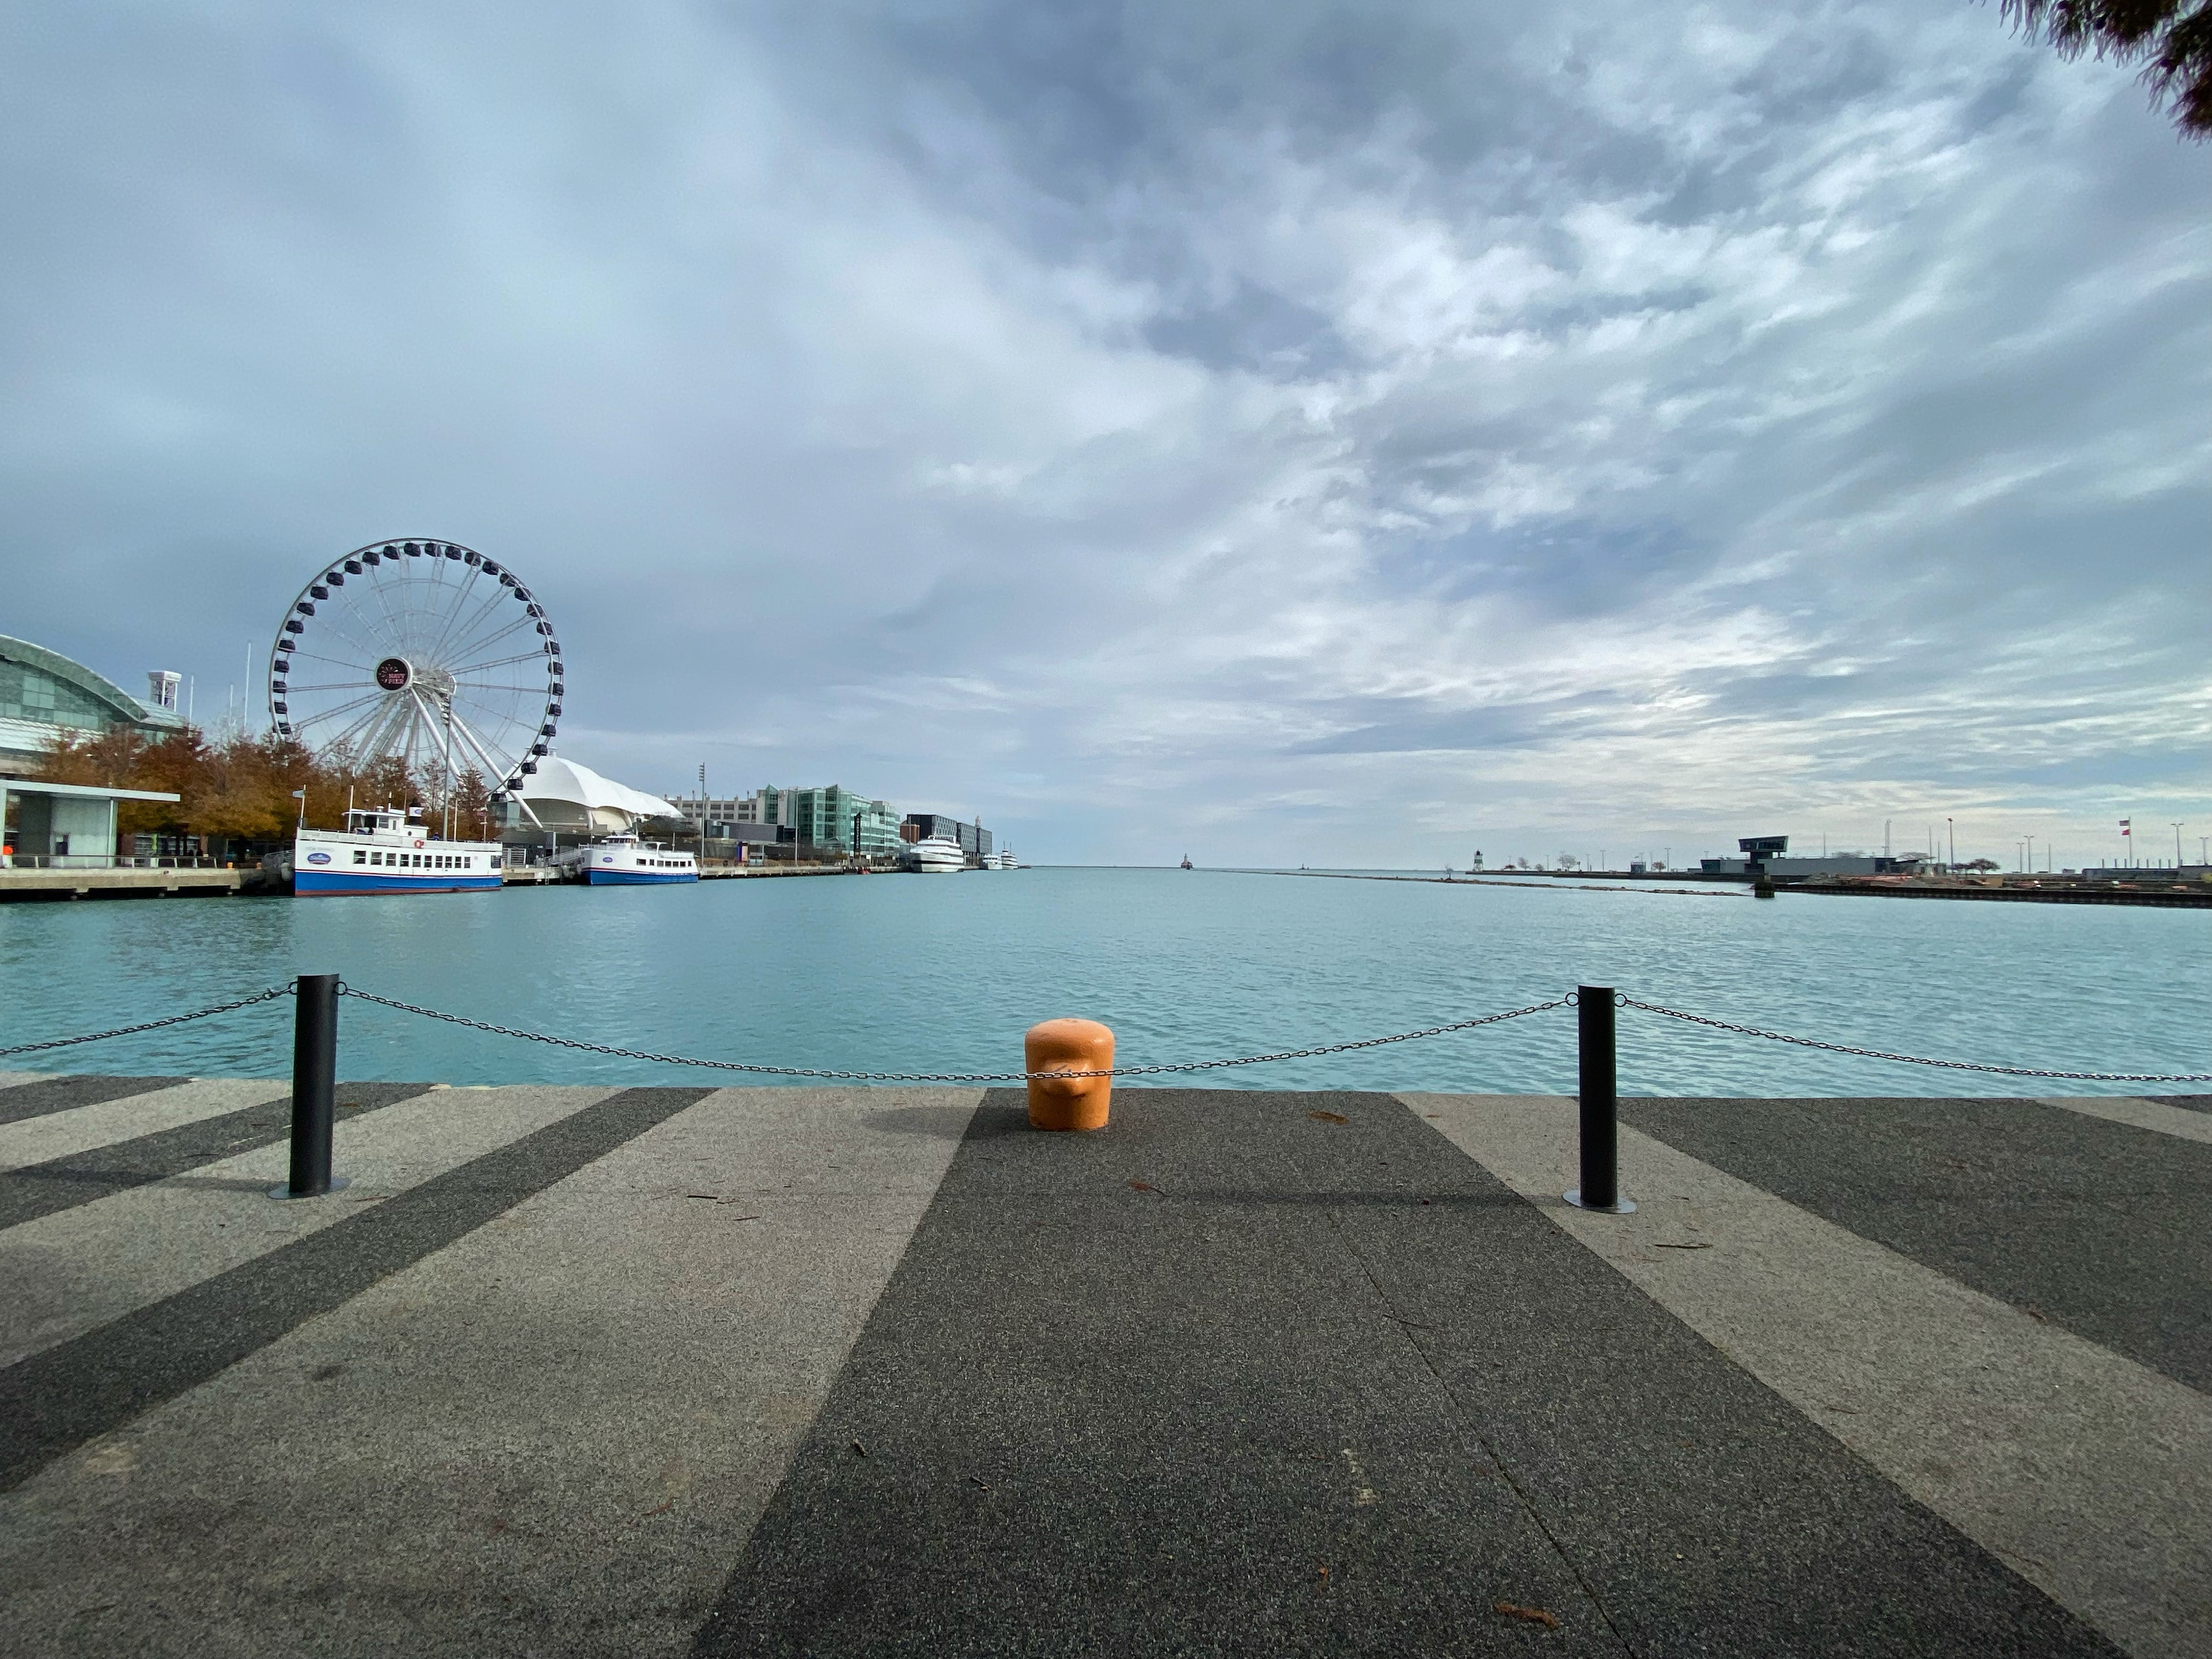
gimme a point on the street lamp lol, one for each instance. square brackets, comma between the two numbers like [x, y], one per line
[1951, 830]
[2177, 823]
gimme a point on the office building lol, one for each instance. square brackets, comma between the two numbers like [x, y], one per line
[830, 816]
[974, 839]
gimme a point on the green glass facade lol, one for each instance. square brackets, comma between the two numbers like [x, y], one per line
[832, 816]
[38, 684]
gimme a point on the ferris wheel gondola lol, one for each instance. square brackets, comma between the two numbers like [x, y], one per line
[422, 652]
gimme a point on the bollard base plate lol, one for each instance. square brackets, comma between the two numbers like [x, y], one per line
[286, 1192]
[1621, 1207]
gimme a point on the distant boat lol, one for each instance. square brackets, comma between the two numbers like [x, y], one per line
[626, 861]
[1186, 864]
[936, 855]
[379, 852]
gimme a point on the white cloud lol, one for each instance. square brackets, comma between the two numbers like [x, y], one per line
[1226, 429]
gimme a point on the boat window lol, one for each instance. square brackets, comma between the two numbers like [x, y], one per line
[360, 857]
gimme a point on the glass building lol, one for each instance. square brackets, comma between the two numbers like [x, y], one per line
[830, 816]
[43, 695]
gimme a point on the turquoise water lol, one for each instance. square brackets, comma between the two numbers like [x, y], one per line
[900, 974]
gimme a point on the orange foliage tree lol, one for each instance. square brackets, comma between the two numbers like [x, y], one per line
[243, 787]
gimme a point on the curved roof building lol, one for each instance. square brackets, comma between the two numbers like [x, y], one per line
[563, 796]
[43, 693]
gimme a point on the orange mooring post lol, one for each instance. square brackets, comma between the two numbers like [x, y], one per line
[1072, 1045]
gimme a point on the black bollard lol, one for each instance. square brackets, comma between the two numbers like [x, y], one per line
[1601, 1104]
[314, 1086]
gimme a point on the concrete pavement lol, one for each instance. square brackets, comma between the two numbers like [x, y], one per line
[765, 1370]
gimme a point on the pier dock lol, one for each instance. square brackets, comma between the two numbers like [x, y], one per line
[681, 1371]
[165, 881]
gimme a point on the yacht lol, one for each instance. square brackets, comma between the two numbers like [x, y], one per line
[379, 850]
[626, 861]
[936, 855]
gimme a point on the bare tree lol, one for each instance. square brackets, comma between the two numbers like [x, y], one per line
[2172, 39]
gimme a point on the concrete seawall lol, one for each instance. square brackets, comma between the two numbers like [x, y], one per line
[584, 1371]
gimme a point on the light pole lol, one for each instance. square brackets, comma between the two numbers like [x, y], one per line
[2177, 823]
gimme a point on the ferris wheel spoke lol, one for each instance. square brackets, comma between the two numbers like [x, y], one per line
[388, 627]
[334, 662]
[364, 722]
[460, 603]
[299, 726]
[497, 662]
[372, 647]
[484, 642]
[381, 725]
[457, 636]
[423, 599]
[441, 737]
[496, 769]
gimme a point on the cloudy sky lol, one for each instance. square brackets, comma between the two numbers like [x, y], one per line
[1276, 432]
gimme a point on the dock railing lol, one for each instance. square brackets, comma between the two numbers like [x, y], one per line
[315, 1066]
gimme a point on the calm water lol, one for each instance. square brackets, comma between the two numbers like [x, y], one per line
[901, 974]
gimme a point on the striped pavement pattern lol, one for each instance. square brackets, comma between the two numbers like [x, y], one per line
[671, 1370]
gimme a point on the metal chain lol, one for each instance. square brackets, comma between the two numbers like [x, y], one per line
[269, 995]
[275, 992]
[941, 1077]
[1914, 1060]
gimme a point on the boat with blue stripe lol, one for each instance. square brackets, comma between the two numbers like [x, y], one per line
[381, 850]
[626, 861]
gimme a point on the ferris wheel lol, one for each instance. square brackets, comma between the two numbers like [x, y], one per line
[421, 652]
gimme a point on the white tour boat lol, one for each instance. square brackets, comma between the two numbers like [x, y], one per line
[626, 861]
[936, 855]
[379, 851]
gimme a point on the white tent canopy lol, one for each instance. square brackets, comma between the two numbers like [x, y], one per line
[563, 795]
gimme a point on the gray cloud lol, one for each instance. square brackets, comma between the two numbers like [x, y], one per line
[1280, 431]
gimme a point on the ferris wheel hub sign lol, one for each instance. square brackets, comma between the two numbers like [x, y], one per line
[393, 674]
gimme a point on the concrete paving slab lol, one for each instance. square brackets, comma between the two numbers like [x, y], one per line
[1286, 1374]
[32, 1096]
[2088, 1474]
[549, 1435]
[61, 1183]
[79, 1127]
[57, 1399]
[2159, 1116]
[2187, 1102]
[2094, 1225]
[68, 1273]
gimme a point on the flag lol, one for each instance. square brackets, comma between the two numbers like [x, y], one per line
[2126, 828]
